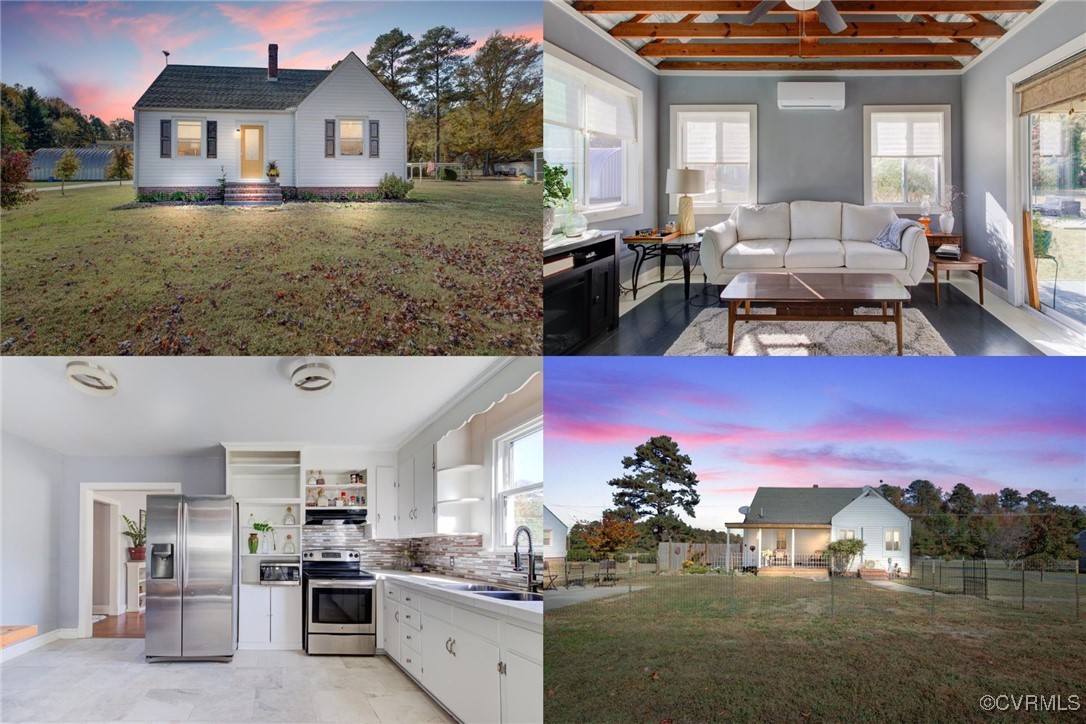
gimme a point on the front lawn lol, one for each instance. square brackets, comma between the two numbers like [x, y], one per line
[457, 273]
[722, 648]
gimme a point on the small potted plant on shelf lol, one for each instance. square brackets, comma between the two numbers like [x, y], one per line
[556, 193]
[264, 529]
[273, 171]
[138, 535]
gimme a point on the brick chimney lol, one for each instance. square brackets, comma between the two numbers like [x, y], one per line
[273, 61]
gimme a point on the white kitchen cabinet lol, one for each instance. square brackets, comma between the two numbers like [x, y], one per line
[270, 617]
[383, 514]
[461, 669]
[415, 496]
[522, 690]
[391, 621]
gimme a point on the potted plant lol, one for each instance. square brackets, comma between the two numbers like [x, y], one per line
[138, 535]
[556, 192]
[951, 194]
[264, 529]
[273, 171]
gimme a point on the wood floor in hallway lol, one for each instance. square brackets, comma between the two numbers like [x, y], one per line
[125, 626]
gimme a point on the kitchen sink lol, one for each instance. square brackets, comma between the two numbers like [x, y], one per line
[472, 587]
[511, 595]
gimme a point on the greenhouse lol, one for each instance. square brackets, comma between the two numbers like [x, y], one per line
[93, 163]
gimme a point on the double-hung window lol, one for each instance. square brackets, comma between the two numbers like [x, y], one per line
[190, 135]
[846, 534]
[518, 483]
[351, 137]
[591, 127]
[906, 155]
[722, 141]
[893, 539]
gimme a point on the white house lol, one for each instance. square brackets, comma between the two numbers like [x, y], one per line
[792, 527]
[555, 533]
[331, 132]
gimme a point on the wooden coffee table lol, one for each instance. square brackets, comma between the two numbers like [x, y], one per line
[814, 297]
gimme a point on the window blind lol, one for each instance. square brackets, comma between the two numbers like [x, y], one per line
[1054, 88]
[907, 134]
[716, 138]
[563, 94]
[610, 112]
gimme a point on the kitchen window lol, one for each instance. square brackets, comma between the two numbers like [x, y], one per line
[518, 497]
[722, 141]
[906, 155]
[591, 127]
[351, 137]
[893, 539]
[190, 139]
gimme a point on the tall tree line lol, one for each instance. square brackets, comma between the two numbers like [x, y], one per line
[483, 108]
[29, 122]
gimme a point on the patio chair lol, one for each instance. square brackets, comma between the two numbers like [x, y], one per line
[549, 577]
[606, 575]
[574, 574]
[1052, 206]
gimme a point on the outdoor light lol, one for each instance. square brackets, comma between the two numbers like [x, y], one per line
[91, 379]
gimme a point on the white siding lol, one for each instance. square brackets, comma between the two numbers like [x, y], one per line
[351, 92]
[808, 542]
[152, 170]
[870, 515]
[557, 548]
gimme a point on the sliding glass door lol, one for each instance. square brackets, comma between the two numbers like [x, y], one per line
[1058, 201]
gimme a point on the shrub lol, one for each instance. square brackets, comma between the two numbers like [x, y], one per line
[197, 197]
[14, 174]
[222, 184]
[177, 196]
[394, 187]
[160, 196]
[371, 196]
[447, 174]
[646, 558]
[843, 553]
[694, 569]
[353, 196]
[307, 196]
[621, 558]
[578, 555]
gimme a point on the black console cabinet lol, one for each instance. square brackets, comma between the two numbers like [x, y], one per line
[580, 292]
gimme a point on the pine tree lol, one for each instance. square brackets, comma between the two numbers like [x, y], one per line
[389, 59]
[661, 481]
[434, 62]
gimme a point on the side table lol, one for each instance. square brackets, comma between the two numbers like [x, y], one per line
[680, 246]
[968, 262]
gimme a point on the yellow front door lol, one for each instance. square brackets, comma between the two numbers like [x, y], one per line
[252, 152]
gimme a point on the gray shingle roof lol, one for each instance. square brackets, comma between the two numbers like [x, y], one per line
[215, 87]
[799, 505]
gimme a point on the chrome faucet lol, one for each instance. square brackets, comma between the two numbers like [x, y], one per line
[533, 585]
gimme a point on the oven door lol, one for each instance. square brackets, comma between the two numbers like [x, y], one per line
[342, 606]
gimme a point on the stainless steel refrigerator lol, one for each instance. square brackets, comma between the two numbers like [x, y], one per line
[192, 578]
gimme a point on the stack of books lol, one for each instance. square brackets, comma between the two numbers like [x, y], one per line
[949, 251]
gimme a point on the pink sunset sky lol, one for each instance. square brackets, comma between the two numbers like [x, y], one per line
[100, 56]
[988, 423]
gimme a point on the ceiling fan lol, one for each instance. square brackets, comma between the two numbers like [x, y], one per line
[827, 13]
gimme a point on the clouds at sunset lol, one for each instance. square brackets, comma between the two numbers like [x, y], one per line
[100, 56]
[751, 423]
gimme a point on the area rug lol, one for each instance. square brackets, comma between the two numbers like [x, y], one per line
[707, 335]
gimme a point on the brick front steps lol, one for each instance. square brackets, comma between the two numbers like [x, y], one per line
[874, 574]
[253, 194]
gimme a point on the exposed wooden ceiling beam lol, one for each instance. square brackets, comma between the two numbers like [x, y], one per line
[640, 18]
[700, 65]
[826, 50]
[768, 31]
[845, 7]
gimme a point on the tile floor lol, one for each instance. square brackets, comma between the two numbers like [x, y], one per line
[90, 680]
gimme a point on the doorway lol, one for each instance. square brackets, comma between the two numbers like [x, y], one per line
[252, 153]
[123, 499]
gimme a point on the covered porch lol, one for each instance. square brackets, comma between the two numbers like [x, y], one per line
[778, 546]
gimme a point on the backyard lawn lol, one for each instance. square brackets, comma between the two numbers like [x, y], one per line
[691, 649]
[91, 273]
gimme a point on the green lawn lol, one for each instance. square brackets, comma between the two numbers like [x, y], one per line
[91, 273]
[720, 648]
[1069, 247]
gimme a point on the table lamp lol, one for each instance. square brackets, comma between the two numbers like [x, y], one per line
[685, 181]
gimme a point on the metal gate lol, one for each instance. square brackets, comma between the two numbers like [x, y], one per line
[975, 577]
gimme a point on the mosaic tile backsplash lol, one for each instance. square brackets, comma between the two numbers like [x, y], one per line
[451, 555]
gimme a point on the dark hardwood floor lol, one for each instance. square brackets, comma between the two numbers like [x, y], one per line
[125, 626]
[652, 326]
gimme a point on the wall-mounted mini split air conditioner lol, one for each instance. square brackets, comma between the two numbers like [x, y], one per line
[811, 96]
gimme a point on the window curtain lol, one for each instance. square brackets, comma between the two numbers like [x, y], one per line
[563, 94]
[1056, 88]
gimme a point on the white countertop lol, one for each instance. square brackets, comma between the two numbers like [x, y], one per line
[521, 612]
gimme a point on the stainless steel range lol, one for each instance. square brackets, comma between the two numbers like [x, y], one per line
[340, 603]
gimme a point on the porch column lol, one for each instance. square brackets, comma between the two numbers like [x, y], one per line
[792, 553]
[758, 553]
[727, 549]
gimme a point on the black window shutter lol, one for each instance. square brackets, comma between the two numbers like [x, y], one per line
[329, 139]
[212, 139]
[164, 143]
[375, 139]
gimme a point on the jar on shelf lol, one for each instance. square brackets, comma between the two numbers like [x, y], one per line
[251, 522]
[320, 478]
[343, 498]
[354, 478]
[288, 547]
[312, 479]
[289, 519]
[322, 499]
[310, 499]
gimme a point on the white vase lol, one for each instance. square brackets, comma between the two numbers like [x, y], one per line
[946, 222]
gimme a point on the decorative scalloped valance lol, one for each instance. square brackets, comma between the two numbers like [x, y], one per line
[1055, 88]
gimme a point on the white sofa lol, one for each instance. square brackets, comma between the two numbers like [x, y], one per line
[810, 236]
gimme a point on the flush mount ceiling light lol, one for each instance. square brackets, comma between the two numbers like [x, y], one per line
[313, 378]
[91, 378]
[802, 5]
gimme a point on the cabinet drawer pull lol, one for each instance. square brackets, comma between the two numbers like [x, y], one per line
[396, 616]
[452, 643]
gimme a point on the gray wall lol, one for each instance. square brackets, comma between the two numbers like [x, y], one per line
[197, 475]
[984, 96]
[569, 34]
[29, 586]
[808, 155]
